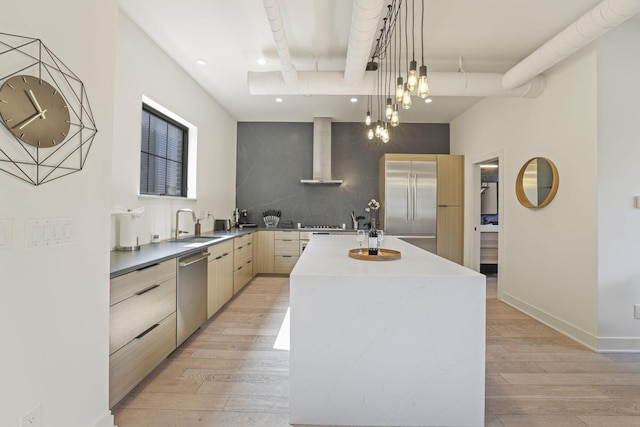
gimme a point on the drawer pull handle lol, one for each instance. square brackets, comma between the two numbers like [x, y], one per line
[240, 268]
[240, 247]
[286, 256]
[148, 266]
[219, 257]
[150, 288]
[147, 331]
[225, 254]
[249, 262]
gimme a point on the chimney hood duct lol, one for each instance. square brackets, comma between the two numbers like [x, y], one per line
[321, 153]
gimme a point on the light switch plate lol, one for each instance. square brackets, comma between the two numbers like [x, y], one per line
[50, 232]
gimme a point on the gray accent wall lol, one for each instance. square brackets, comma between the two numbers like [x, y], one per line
[273, 158]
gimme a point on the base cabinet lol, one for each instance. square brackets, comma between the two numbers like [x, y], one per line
[488, 247]
[220, 276]
[242, 261]
[286, 251]
[263, 252]
[142, 321]
[129, 365]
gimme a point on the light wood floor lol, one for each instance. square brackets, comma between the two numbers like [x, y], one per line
[228, 373]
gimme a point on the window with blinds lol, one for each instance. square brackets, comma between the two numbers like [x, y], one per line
[163, 156]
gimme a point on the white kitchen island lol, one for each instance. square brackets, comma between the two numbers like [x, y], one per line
[385, 343]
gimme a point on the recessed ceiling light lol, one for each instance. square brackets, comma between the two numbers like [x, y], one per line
[354, 99]
[201, 62]
[262, 61]
[428, 100]
[278, 99]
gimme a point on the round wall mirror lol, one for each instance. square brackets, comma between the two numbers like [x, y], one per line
[537, 183]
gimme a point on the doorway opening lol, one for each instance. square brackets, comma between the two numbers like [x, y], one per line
[486, 217]
[489, 223]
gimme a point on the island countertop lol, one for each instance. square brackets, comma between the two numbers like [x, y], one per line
[385, 343]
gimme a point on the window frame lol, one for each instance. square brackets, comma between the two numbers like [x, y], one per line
[189, 154]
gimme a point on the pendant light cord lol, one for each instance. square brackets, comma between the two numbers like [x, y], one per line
[422, 32]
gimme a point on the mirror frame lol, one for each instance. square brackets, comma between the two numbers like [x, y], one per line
[520, 193]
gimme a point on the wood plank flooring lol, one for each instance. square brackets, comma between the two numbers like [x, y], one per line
[229, 375]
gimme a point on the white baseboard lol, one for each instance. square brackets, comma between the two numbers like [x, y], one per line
[106, 420]
[595, 343]
[565, 328]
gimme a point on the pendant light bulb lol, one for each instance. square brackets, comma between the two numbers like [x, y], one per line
[395, 117]
[370, 133]
[423, 85]
[385, 134]
[389, 109]
[378, 128]
[412, 79]
[406, 98]
[399, 90]
[367, 121]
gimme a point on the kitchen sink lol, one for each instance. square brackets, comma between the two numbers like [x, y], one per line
[197, 241]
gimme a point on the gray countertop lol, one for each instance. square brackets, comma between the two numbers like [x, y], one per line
[123, 262]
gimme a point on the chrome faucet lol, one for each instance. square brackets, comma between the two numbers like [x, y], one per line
[178, 232]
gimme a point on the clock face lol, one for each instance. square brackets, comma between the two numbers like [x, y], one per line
[34, 111]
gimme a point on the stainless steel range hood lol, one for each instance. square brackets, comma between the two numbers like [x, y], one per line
[322, 153]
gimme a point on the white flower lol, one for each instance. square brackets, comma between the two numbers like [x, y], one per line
[373, 205]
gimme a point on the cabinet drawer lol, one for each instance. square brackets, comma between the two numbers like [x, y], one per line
[242, 256]
[488, 239]
[488, 256]
[129, 365]
[287, 247]
[126, 286]
[241, 241]
[131, 317]
[219, 250]
[241, 276]
[283, 264]
[287, 235]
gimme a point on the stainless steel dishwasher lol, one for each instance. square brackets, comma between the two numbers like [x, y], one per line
[192, 294]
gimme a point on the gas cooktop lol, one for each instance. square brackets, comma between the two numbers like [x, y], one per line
[320, 227]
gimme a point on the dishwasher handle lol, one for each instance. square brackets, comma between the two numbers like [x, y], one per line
[204, 255]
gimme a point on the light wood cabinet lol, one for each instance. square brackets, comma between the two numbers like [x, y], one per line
[450, 196]
[142, 320]
[242, 261]
[286, 251]
[130, 364]
[220, 276]
[263, 255]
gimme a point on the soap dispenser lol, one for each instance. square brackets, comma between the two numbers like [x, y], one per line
[197, 232]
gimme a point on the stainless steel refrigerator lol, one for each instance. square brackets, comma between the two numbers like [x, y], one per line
[410, 209]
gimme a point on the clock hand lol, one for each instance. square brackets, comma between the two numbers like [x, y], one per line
[35, 102]
[32, 118]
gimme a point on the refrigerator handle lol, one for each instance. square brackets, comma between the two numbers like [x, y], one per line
[415, 194]
[408, 197]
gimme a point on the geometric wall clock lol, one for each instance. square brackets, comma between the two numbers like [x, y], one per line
[48, 127]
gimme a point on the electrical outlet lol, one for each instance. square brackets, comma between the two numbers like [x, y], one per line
[32, 419]
[636, 311]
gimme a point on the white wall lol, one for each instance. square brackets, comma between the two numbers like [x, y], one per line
[144, 69]
[618, 183]
[548, 257]
[54, 301]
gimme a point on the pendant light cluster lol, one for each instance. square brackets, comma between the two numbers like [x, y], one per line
[387, 61]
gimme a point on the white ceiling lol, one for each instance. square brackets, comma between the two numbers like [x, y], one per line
[489, 35]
